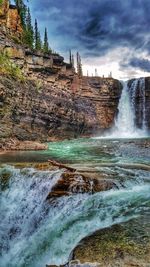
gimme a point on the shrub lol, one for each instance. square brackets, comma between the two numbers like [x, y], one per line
[10, 68]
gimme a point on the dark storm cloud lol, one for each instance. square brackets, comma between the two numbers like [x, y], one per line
[142, 64]
[95, 27]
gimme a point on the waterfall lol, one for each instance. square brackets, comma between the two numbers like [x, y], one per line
[131, 119]
[126, 122]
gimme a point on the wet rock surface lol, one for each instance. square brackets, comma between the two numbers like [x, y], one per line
[73, 183]
[123, 245]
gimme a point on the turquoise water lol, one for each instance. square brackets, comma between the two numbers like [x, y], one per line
[35, 232]
[87, 151]
[100, 151]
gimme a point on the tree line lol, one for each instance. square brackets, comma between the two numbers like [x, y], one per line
[31, 35]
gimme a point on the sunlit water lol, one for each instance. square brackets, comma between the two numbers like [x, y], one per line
[35, 232]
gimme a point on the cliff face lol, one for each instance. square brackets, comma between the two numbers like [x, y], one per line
[28, 112]
[10, 19]
[53, 102]
[147, 101]
[34, 64]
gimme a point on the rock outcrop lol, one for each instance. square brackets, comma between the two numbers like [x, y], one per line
[78, 183]
[10, 19]
[128, 243]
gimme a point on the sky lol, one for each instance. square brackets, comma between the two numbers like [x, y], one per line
[110, 35]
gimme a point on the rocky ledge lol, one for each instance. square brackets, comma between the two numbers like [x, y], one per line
[14, 144]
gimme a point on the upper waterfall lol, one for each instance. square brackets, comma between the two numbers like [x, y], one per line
[124, 123]
[131, 118]
[131, 122]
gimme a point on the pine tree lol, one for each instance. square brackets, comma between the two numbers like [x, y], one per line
[22, 11]
[70, 57]
[37, 37]
[79, 65]
[28, 36]
[46, 44]
[72, 61]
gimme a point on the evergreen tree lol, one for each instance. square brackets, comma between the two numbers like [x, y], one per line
[46, 44]
[70, 57]
[22, 11]
[37, 37]
[28, 36]
[79, 65]
[72, 61]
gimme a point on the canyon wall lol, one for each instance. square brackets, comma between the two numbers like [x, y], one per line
[53, 111]
[147, 100]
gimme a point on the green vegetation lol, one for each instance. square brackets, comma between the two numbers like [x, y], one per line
[8, 67]
[22, 11]
[38, 42]
[28, 34]
[38, 85]
[46, 48]
[31, 37]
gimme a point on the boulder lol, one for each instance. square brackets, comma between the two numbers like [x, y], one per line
[75, 183]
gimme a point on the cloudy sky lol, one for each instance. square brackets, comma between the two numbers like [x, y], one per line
[111, 35]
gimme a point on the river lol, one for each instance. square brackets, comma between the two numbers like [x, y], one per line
[35, 232]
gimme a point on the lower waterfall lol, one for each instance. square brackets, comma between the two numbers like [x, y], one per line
[35, 232]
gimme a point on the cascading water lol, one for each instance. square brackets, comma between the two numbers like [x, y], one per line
[35, 232]
[126, 121]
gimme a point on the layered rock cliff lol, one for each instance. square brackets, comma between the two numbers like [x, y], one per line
[52, 111]
[10, 19]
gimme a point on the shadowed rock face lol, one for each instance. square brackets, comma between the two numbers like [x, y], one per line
[138, 102]
[52, 111]
[147, 90]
